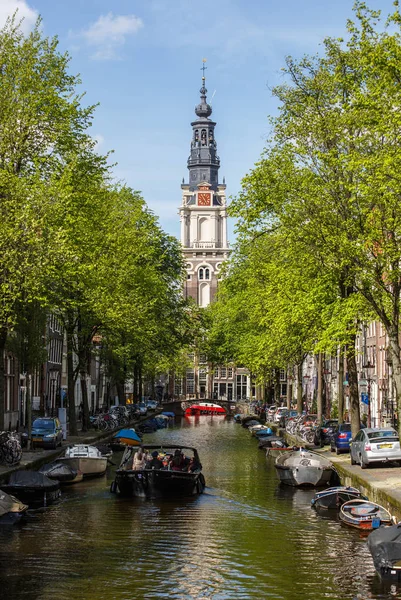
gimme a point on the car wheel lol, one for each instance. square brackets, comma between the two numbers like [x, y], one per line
[362, 462]
[352, 460]
[331, 449]
[54, 446]
[337, 451]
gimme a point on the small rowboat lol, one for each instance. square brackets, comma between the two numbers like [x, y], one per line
[334, 497]
[364, 515]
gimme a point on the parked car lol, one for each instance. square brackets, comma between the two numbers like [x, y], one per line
[340, 438]
[327, 430]
[270, 410]
[375, 445]
[46, 432]
[280, 412]
[152, 404]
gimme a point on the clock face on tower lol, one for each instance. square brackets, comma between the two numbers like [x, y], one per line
[204, 198]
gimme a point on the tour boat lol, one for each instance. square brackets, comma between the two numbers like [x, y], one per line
[167, 481]
[302, 468]
[205, 408]
[364, 515]
[385, 547]
[87, 459]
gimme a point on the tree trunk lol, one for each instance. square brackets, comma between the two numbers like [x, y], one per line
[72, 419]
[299, 387]
[289, 393]
[353, 389]
[85, 402]
[3, 340]
[319, 388]
[277, 387]
[341, 385]
[394, 356]
[140, 386]
[28, 400]
[135, 382]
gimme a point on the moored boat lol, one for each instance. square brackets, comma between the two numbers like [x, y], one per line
[61, 472]
[302, 468]
[364, 515]
[166, 480]
[334, 497]
[87, 459]
[11, 509]
[32, 488]
[385, 547]
[205, 408]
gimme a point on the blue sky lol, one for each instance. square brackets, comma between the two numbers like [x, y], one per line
[141, 60]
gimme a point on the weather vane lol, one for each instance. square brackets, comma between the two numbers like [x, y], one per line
[204, 67]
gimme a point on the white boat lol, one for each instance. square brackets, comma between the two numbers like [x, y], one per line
[87, 459]
[303, 468]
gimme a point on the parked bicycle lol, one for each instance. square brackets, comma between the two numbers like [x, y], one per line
[10, 448]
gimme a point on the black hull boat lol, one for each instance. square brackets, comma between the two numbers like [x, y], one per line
[61, 472]
[364, 515]
[159, 482]
[32, 488]
[385, 547]
[302, 468]
[334, 497]
[11, 509]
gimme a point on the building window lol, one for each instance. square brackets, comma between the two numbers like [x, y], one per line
[282, 375]
[200, 273]
[223, 372]
[202, 359]
[207, 274]
[202, 375]
[190, 381]
[241, 387]
[216, 372]
[230, 372]
[204, 273]
[189, 277]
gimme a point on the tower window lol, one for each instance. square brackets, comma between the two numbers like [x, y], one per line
[196, 135]
[204, 273]
[203, 137]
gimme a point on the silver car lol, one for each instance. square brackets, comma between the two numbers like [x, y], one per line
[375, 445]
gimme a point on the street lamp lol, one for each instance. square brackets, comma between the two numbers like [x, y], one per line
[368, 366]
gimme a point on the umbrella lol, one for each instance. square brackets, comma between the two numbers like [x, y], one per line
[129, 437]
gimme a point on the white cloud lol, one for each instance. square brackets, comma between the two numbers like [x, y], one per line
[99, 140]
[109, 32]
[24, 11]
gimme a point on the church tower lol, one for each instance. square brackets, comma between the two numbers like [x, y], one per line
[203, 210]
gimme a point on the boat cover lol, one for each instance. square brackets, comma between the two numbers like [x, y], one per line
[10, 504]
[31, 479]
[168, 414]
[128, 434]
[385, 545]
[60, 471]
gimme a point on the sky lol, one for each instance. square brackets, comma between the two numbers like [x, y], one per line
[141, 60]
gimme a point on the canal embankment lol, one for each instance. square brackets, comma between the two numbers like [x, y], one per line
[381, 484]
[34, 459]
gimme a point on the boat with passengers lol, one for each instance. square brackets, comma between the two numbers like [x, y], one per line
[167, 471]
[205, 408]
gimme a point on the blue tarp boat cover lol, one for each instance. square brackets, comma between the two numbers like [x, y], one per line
[168, 414]
[129, 434]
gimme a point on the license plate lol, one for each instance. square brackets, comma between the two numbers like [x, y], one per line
[376, 523]
[37, 439]
[384, 445]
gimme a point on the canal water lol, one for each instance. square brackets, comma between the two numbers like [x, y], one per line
[246, 537]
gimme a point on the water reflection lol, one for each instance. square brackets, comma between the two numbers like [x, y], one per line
[246, 537]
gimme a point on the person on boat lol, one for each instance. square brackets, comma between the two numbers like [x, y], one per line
[139, 460]
[178, 461]
[155, 463]
[193, 464]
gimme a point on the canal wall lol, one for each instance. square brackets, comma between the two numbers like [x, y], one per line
[380, 484]
[34, 459]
